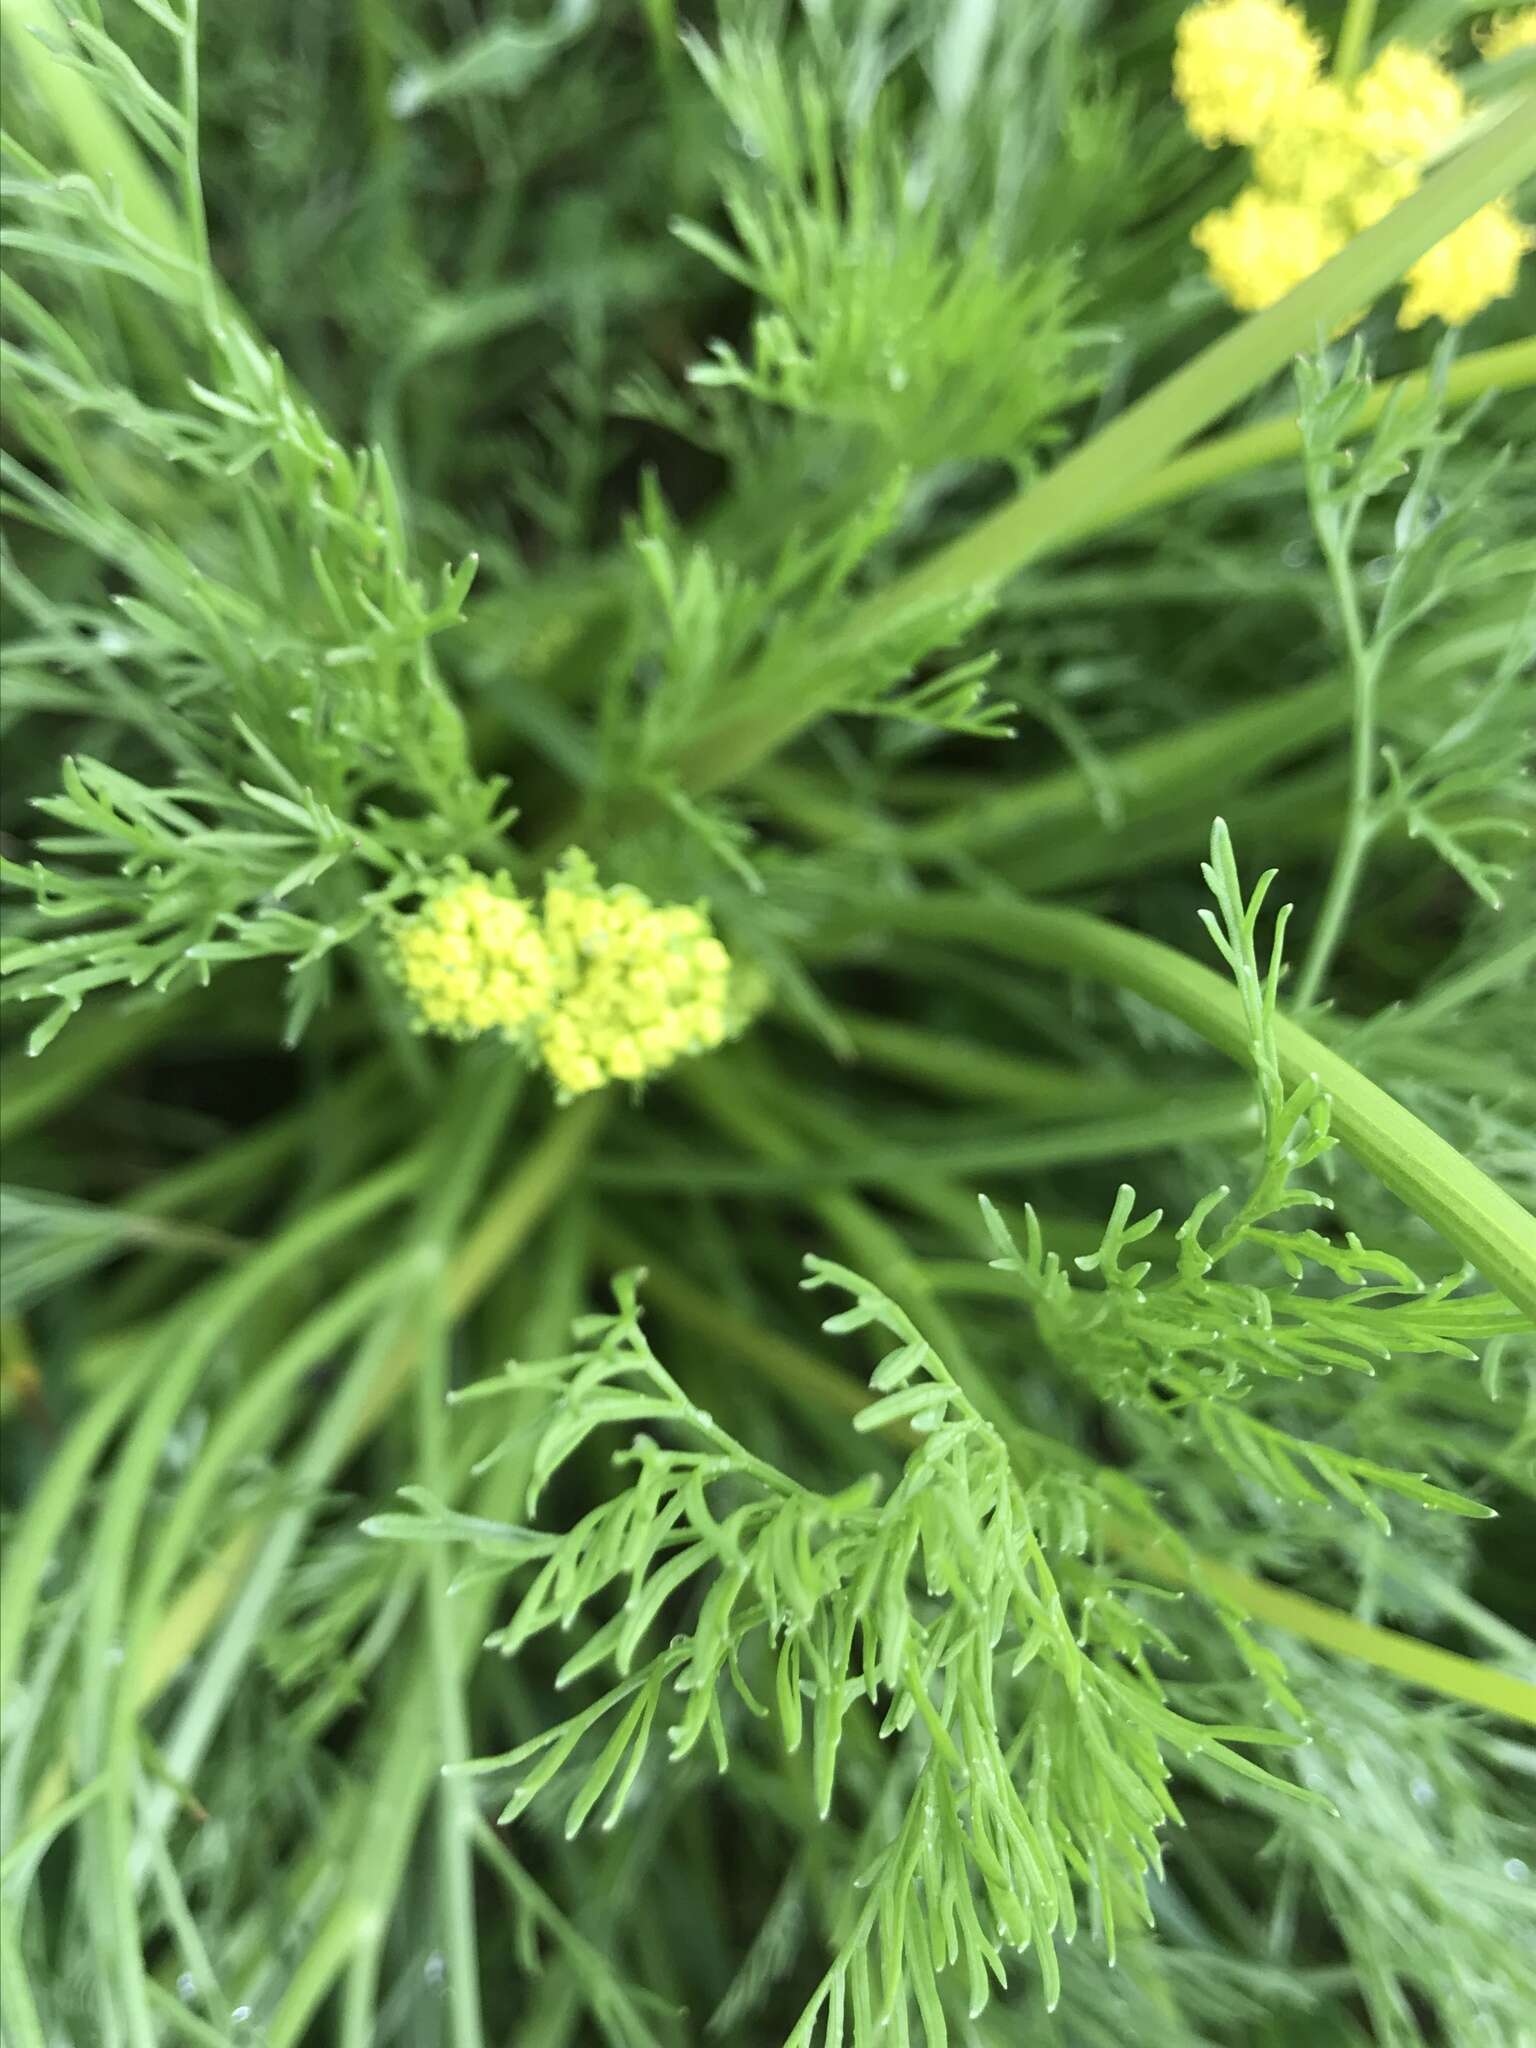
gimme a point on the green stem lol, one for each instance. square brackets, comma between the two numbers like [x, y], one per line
[1421, 1664]
[183, 2022]
[102, 146]
[57, 1497]
[23, 2025]
[194, 212]
[1469, 1210]
[238, 1584]
[1355, 839]
[1509, 367]
[1133, 446]
[455, 1904]
[373, 42]
[813, 1176]
[104, 1740]
[1354, 34]
[455, 1913]
[161, 1637]
[546, 1171]
[1139, 440]
[963, 1067]
[351, 1938]
[352, 1935]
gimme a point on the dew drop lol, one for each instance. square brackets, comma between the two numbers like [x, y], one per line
[435, 1968]
[186, 1985]
[241, 2015]
[1516, 1871]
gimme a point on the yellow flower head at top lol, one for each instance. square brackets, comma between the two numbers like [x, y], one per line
[1507, 33]
[643, 984]
[1259, 247]
[1238, 65]
[473, 959]
[1330, 158]
[1475, 264]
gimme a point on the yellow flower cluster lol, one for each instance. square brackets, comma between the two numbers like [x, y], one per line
[474, 959]
[1260, 247]
[1507, 33]
[1239, 64]
[644, 985]
[602, 985]
[1479, 262]
[1328, 159]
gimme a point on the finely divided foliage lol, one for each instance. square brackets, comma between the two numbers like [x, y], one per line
[576, 583]
[274, 664]
[1193, 1347]
[969, 1610]
[975, 1608]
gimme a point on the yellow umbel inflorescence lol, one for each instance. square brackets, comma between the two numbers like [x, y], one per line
[602, 984]
[474, 959]
[1330, 158]
[644, 984]
[1238, 63]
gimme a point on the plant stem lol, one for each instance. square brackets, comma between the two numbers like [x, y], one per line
[105, 1722]
[1139, 440]
[57, 1496]
[350, 1939]
[21, 2012]
[455, 1902]
[1421, 1664]
[1359, 826]
[104, 148]
[1469, 1210]
[527, 1195]
[239, 1581]
[967, 1068]
[372, 23]
[1509, 367]
[1354, 34]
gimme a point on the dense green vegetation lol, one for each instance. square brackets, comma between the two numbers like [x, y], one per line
[995, 1507]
